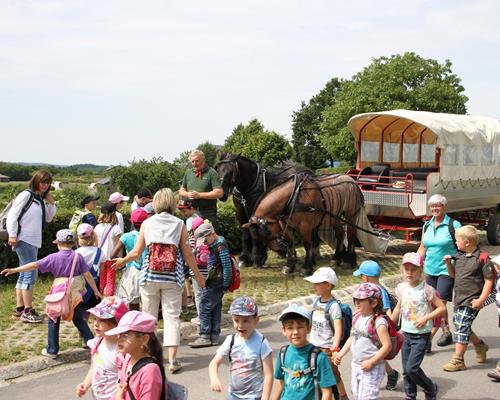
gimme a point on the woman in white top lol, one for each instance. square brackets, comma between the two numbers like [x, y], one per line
[157, 233]
[31, 210]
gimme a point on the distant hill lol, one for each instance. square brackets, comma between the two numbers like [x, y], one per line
[79, 167]
[22, 171]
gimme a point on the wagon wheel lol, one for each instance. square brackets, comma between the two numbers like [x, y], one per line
[493, 229]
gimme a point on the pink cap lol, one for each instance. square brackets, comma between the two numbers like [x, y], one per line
[196, 223]
[110, 307]
[414, 259]
[117, 197]
[137, 321]
[367, 291]
[138, 216]
[84, 230]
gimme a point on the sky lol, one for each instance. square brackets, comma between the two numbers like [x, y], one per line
[109, 82]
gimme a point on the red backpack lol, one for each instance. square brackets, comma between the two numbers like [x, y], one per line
[235, 281]
[397, 337]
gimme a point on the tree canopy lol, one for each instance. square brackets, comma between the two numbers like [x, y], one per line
[405, 81]
[255, 142]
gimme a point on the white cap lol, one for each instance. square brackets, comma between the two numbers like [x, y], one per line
[323, 274]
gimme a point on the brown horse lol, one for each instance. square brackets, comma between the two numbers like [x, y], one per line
[307, 204]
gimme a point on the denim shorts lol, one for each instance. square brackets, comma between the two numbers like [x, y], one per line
[26, 253]
[443, 285]
[463, 318]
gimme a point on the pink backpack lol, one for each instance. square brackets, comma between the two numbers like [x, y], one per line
[202, 252]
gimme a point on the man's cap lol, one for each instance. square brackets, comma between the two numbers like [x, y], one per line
[414, 259]
[84, 230]
[368, 268]
[110, 307]
[117, 197]
[138, 216]
[136, 321]
[185, 203]
[244, 306]
[296, 309]
[64, 236]
[367, 291]
[108, 208]
[87, 199]
[323, 274]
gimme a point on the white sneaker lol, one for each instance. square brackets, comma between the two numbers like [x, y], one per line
[195, 320]
[47, 354]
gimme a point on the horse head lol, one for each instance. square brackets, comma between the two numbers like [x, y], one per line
[268, 232]
[228, 170]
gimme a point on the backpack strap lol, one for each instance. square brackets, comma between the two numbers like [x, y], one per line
[231, 344]
[451, 229]
[97, 343]
[25, 209]
[484, 257]
[97, 257]
[313, 369]
[137, 366]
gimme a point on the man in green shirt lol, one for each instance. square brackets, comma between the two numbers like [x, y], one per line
[201, 184]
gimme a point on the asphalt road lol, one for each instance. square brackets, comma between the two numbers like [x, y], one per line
[59, 383]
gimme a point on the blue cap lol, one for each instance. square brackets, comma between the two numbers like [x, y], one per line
[244, 306]
[368, 268]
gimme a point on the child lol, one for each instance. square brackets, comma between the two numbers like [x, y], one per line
[370, 271]
[92, 255]
[473, 284]
[322, 336]
[142, 374]
[293, 377]
[495, 373]
[128, 288]
[250, 356]
[414, 304]
[108, 233]
[367, 358]
[59, 265]
[105, 361]
[119, 201]
[217, 282]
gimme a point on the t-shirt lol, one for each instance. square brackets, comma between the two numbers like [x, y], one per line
[59, 264]
[128, 240]
[321, 332]
[145, 384]
[88, 254]
[438, 243]
[108, 246]
[415, 303]
[386, 300]
[363, 347]
[205, 183]
[302, 386]
[469, 278]
[246, 373]
[121, 222]
[106, 363]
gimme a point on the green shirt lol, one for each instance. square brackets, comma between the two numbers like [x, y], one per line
[205, 183]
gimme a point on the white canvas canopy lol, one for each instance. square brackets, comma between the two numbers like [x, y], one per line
[463, 147]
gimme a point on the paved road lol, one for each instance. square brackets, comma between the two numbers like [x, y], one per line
[59, 383]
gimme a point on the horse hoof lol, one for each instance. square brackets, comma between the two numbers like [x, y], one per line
[260, 266]
[242, 264]
[305, 272]
[288, 270]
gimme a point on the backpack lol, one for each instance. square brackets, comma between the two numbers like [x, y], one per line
[89, 299]
[484, 257]
[170, 390]
[396, 337]
[346, 317]
[235, 281]
[451, 229]
[162, 257]
[201, 254]
[76, 219]
[4, 234]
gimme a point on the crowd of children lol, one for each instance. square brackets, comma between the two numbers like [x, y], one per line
[127, 357]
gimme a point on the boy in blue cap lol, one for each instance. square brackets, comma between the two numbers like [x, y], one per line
[370, 271]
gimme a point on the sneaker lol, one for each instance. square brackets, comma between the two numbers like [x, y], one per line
[200, 342]
[344, 397]
[16, 315]
[215, 341]
[195, 320]
[392, 380]
[428, 348]
[31, 317]
[454, 365]
[445, 340]
[432, 395]
[481, 350]
[47, 354]
[495, 373]
[174, 367]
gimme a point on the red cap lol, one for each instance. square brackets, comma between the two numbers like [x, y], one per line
[138, 216]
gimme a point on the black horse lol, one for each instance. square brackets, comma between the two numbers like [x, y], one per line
[247, 181]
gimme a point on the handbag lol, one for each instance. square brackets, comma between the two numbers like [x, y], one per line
[57, 304]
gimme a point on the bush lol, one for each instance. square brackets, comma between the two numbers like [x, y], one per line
[229, 225]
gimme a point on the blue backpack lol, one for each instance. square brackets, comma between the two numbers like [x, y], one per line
[346, 318]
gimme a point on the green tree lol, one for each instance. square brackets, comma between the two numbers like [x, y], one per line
[306, 126]
[405, 81]
[255, 142]
[211, 152]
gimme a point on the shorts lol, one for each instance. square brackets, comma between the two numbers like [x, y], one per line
[128, 288]
[463, 318]
[443, 284]
[26, 253]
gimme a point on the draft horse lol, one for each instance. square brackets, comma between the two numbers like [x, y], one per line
[306, 204]
[246, 180]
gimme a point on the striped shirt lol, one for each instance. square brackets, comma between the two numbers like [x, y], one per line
[220, 258]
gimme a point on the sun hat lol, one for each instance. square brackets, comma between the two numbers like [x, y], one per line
[110, 307]
[367, 291]
[414, 259]
[138, 216]
[323, 274]
[137, 321]
[184, 203]
[64, 236]
[296, 309]
[87, 199]
[84, 230]
[368, 268]
[244, 306]
[108, 208]
[197, 221]
[117, 197]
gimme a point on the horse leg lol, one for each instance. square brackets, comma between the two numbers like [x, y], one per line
[339, 246]
[316, 241]
[350, 256]
[291, 254]
[246, 253]
[259, 254]
[309, 261]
